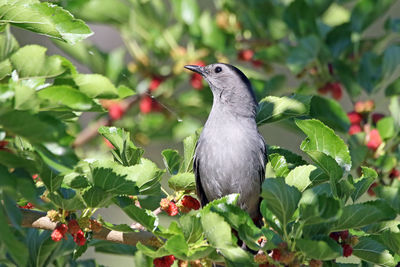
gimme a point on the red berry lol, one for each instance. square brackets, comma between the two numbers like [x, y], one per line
[335, 236]
[172, 209]
[371, 191]
[35, 176]
[73, 227]
[165, 261]
[336, 89]
[355, 128]
[344, 234]
[245, 55]
[257, 63]
[196, 80]
[155, 83]
[374, 139]
[354, 117]
[347, 250]
[116, 111]
[56, 235]
[190, 202]
[79, 238]
[59, 232]
[276, 254]
[376, 117]
[394, 173]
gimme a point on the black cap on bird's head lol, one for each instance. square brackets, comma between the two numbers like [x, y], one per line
[228, 84]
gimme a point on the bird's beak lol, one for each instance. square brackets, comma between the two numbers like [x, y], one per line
[195, 68]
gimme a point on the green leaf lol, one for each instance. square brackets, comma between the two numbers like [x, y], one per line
[272, 108]
[177, 245]
[322, 139]
[391, 240]
[365, 181]
[303, 54]
[370, 250]
[18, 251]
[315, 209]
[359, 215]
[386, 127]
[303, 176]
[76, 180]
[187, 11]
[241, 222]
[280, 198]
[366, 12]
[39, 65]
[96, 86]
[45, 18]
[391, 195]
[35, 127]
[211, 34]
[67, 199]
[394, 108]
[279, 165]
[172, 160]
[291, 158]
[103, 246]
[329, 112]
[189, 146]
[119, 227]
[219, 235]
[8, 44]
[69, 97]
[113, 178]
[182, 181]
[100, 11]
[125, 152]
[95, 197]
[320, 250]
[300, 18]
[390, 67]
[145, 217]
[191, 227]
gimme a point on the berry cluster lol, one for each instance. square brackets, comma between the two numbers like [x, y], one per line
[187, 204]
[27, 206]
[165, 261]
[335, 88]
[359, 120]
[345, 240]
[280, 255]
[73, 228]
[248, 56]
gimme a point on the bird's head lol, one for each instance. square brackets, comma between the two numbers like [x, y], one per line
[229, 85]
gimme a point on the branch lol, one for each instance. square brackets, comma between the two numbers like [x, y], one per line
[39, 220]
[91, 131]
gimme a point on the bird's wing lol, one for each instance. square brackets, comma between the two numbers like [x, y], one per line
[199, 188]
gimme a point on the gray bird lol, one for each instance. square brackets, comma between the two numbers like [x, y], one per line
[230, 154]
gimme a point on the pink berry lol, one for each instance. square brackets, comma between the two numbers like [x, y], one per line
[116, 111]
[155, 83]
[374, 139]
[245, 55]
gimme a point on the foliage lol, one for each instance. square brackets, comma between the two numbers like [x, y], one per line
[316, 210]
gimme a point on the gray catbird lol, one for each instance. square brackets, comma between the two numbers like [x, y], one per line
[230, 155]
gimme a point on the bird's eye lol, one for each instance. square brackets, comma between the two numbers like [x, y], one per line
[218, 69]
